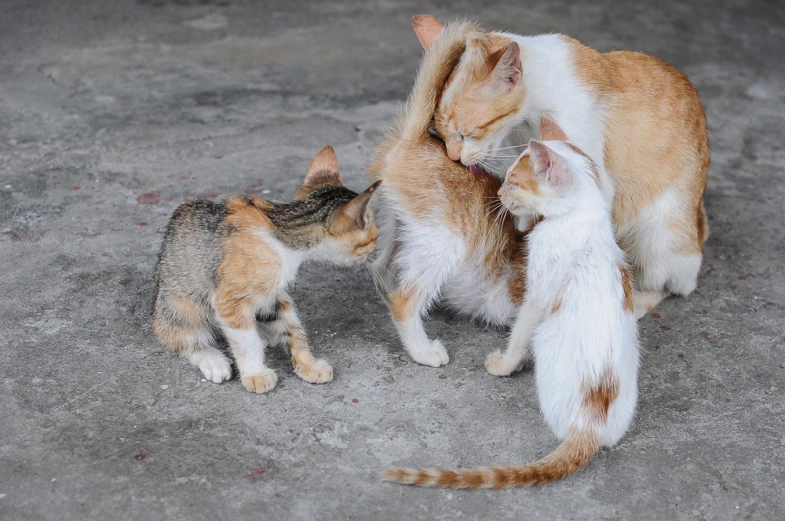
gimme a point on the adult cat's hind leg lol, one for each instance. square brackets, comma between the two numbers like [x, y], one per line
[664, 245]
[182, 325]
[286, 326]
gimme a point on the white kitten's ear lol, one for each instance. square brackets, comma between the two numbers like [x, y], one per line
[356, 213]
[508, 70]
[549, 167]
[323, 169]
[427, 28]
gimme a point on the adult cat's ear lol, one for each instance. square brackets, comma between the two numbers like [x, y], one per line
[507, 72]
[549, 167]
[550, 131]
[357, 211]
[427, 28]
[323, 171]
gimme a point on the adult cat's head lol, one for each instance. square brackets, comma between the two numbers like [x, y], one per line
[482, 101]
[333, 222]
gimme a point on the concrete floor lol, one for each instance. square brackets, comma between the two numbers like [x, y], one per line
[113, 113]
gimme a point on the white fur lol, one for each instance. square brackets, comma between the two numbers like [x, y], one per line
[436, 259]
[574, 260]
[214, 365]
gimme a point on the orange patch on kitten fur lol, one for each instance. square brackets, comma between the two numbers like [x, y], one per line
[522, 176]
[626, 282]
[598, 398]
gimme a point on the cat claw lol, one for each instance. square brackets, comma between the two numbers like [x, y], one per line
[435, 355]
[261, 382]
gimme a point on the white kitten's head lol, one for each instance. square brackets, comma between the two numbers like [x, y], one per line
[546, 178]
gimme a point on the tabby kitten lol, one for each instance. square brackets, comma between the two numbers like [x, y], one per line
[225, 266]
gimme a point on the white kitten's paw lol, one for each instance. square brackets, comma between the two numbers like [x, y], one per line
[318, 372]
[497, 365]
[434, 355]
[260, 382]
[215, 367]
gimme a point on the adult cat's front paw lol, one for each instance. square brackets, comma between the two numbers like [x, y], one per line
[260, 382]
[433, 355]
[497, 365]
[318, 372]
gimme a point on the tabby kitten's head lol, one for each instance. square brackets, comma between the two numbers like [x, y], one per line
[334, 223]
[482, 100]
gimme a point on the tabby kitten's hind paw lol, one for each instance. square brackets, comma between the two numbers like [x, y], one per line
[318, 372]
[260, 382]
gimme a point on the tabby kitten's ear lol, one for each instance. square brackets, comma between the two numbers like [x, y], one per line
[427, 28]
[356, 213]
[507, 72]
[323, 171]
[549, 167]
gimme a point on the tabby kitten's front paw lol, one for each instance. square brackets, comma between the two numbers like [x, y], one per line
[497, 365]
[260, 382]
[318, 372]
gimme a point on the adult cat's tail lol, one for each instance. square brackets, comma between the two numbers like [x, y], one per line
[574, 452]
[437, 64]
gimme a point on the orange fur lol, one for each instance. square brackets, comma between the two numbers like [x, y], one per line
[656, 134]
[626, 282]
[403, 303]
[522, 176]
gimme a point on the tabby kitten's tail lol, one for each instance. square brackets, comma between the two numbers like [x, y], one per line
[573, 453]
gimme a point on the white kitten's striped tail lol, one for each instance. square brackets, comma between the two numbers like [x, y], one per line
[437, 64]
[573, 453]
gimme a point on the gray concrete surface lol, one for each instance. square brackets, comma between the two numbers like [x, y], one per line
[113, 113]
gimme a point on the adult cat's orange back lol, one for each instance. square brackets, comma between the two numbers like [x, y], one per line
[638, 118]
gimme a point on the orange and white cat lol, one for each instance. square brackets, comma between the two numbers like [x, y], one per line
[577, 316]
[442, 234]
[639, 119]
